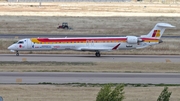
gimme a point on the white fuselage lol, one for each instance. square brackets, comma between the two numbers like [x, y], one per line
[90, 44]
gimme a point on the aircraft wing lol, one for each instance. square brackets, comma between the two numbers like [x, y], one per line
[95, 49]
[99, 48]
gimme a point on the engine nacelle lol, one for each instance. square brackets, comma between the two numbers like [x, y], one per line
[132, 39]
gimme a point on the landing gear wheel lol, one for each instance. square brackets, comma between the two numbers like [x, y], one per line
[17, 53]
[98, 54]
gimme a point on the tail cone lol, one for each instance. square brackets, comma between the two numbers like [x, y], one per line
[160, 41]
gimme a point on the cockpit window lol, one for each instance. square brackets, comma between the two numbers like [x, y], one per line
[20, 42]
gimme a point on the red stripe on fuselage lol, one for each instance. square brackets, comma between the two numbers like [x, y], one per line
[149, 38]
[77, 39]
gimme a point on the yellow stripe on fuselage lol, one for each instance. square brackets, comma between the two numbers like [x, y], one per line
[34, 40]
[151, 40]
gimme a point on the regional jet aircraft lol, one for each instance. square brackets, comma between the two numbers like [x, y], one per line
[93, 44]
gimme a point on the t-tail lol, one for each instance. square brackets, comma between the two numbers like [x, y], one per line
[158, 30]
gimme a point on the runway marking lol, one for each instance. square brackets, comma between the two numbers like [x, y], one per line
[18, 80]
[24, 59]
[167, 60]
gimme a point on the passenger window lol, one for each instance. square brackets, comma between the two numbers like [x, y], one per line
[20, 42]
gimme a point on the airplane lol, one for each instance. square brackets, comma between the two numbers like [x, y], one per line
[92, 44]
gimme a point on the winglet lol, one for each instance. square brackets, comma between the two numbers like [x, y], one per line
[114, 48]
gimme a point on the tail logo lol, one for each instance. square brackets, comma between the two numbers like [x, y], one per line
[156, 33]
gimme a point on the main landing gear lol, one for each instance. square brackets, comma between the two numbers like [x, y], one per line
[17, 53]
[98, 54]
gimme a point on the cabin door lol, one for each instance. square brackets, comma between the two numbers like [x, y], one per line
[29, 44]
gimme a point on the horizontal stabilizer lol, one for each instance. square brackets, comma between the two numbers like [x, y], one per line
[165, 25]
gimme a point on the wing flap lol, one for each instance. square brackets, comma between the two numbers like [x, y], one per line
[94, 49]
[100, 48]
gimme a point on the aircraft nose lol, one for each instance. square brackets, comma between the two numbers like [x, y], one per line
[11, 47]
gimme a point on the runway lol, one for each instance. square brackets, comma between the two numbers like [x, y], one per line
[90, 58]
[87, 77]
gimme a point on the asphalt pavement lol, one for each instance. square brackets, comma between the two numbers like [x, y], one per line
[88, 77]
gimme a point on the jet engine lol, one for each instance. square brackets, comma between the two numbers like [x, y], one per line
[132, 39]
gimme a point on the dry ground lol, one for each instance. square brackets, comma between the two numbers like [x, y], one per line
[90, 7]
[168, 47]
[68, 93]
[90, 67]
[87, 18]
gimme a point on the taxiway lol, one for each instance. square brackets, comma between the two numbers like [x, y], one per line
[88, 77]
[90, 58]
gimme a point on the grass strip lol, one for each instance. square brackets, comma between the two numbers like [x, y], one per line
[43, 63]
[113, 84]
[127, 67]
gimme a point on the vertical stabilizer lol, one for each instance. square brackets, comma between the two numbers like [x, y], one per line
[158, 30]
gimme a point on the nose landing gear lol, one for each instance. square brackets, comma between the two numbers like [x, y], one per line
[17, 53]
[98, 54]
